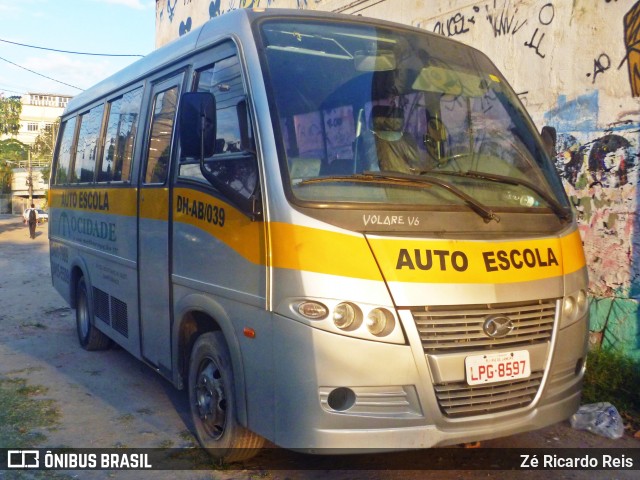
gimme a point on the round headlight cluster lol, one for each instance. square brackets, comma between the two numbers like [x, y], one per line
[349, 317]
[574, 307]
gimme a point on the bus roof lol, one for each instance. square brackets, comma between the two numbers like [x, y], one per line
[212, 31]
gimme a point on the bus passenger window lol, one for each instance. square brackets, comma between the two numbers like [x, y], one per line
[120, 137]
[88, 145]
[164, 113]
[61, 174]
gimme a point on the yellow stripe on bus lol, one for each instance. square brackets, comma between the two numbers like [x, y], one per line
[220, 220]
[114, 201]
[321, 251]
[309, 249]
[342, 254]
[425, 261]
[463, 261]
[154, 204]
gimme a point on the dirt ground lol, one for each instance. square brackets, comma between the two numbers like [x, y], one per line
[111, 400]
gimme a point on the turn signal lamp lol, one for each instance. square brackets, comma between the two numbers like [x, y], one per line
[313, 310]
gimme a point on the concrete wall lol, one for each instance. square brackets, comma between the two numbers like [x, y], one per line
[576, 66]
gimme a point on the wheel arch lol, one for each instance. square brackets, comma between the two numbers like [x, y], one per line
[197, 314]
[78, 269]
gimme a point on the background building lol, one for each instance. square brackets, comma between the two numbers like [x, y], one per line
[39, 115]
[576, 67]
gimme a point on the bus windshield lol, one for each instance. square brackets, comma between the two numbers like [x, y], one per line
[365, 113]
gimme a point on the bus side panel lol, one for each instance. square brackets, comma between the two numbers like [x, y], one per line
[90, 231]
[219, 270]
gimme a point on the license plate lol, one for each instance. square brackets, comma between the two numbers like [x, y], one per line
[497, 367]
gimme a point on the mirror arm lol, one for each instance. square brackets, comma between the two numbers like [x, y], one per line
[256, 207]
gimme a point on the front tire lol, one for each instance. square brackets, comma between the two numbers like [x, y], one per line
[89, 336]
[213, 405]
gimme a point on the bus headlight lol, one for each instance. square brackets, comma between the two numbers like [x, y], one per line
[380, 322]
[347, 316]
[574, 307]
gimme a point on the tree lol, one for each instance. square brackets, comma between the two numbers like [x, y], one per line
[44, 143]
[10, 110]
[12, 149]
[5, 177]
[43, 147]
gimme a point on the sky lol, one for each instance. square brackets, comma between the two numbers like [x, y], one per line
[122, 27]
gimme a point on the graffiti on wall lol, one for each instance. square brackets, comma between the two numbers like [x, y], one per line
[632, 43]
[600, 171]
[599, 164]
[170, 10]
[506, 19]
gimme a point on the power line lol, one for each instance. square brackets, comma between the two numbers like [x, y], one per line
[11, 91]
[40, 74]
[70, 51]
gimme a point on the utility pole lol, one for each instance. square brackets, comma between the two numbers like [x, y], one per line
[29, 177]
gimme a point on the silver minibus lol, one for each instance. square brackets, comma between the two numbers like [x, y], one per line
[334, 232]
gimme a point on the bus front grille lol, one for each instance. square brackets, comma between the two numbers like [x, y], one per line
[452, 329]
[457, 399]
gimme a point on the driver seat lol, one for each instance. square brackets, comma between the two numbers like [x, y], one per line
[396, 150]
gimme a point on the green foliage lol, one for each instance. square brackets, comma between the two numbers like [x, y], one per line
[5, 177]
[44, 143]
[12, 149]
[10, 110]
[613, 377]
[21, 413]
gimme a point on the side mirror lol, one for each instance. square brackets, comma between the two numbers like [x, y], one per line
[549, 137]
[197, 124]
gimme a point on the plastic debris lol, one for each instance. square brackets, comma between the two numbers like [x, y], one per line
[600, 418]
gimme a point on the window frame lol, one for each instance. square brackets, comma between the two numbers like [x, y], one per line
[136, 129]
[226, 49]
[99, 144]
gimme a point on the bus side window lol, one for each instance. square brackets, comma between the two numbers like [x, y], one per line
[88, 145]
[120, 137]
[164, 113]
[234, 162]
[63, 161]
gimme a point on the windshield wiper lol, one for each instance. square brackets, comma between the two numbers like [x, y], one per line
[409, 180]
[561, 212]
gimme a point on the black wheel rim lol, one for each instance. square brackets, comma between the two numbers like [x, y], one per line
[211, 400]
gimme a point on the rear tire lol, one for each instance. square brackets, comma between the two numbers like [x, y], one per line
[89, 336]
[213, 405]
